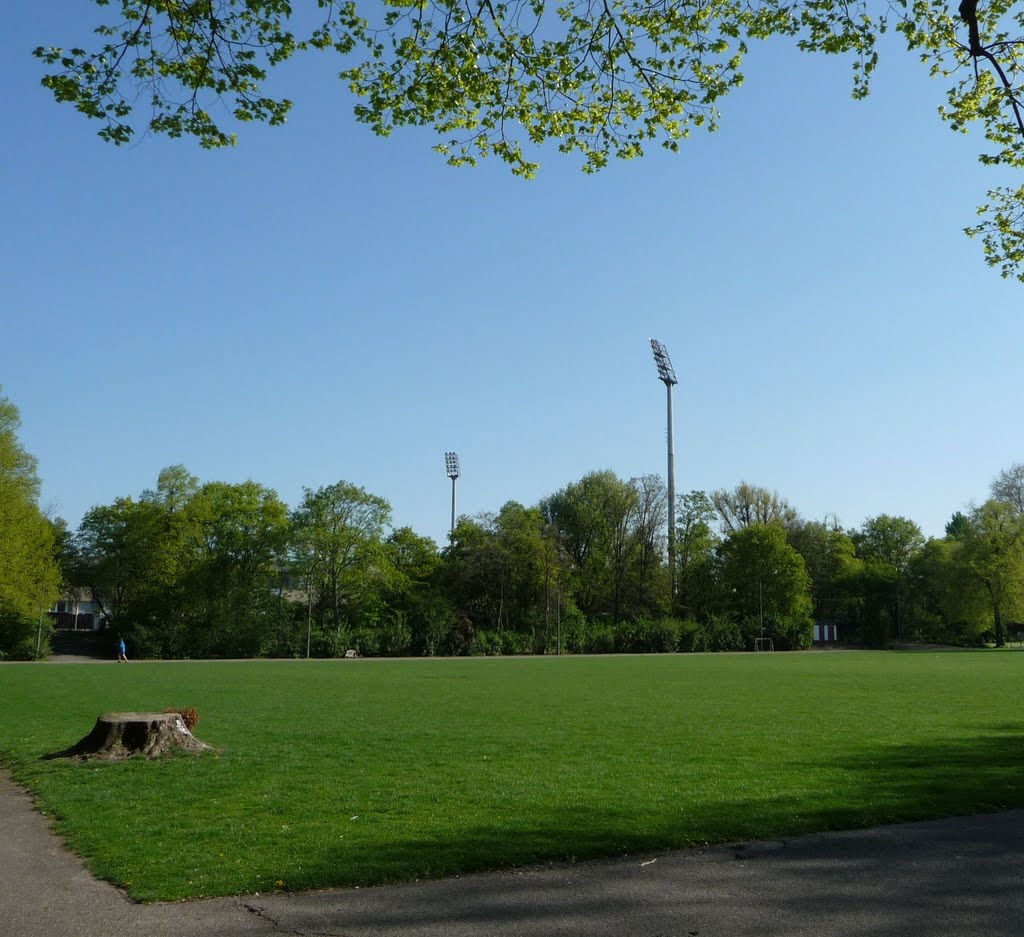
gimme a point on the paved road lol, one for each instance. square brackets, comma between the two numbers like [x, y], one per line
[955, 878]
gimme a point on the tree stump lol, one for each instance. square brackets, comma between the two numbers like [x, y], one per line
[120, 735]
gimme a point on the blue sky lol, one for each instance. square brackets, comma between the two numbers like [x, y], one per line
[319, 304]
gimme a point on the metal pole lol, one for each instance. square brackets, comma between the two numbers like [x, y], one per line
[760, 606]
[667, 374]
[452, 533]
[39, 639]
[558, 610]
[899, 617]
[671, 500]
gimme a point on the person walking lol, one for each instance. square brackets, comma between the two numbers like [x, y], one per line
[122, 651]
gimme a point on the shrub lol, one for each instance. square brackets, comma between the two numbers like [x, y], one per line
[719, 633]
[19, 637]
[516, 642]
[365, 640]
[573, 629]
[501, 643]
[485, 644]
[600, 640]
[394, 639]
[791, 633]
[655, 637]
[689, 631]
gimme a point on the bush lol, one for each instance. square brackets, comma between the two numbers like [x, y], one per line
[366, 642]
[485, 644]
[390, 639]
[600, 640]
[689, 631]
[791, 633]
[719, 633]
[643, 636]
[501, 643]
[515, 642]
[394, 639]
[19, 637]
[433, 625]
[573, 630]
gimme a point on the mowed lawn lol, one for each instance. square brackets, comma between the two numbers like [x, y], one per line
[362, 772]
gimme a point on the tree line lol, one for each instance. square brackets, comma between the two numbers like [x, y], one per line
[216, 569]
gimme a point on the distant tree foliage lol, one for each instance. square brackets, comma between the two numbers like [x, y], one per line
[889, 542]
[993, 553]
[220, 569]
[829, 555]
[750, 504]
[29, 574]
[767, 584]
[1008, 487]
[956, 526]
[696, 542]
[337, 539]
[611, 530]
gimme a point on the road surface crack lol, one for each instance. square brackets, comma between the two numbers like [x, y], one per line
[280, 928]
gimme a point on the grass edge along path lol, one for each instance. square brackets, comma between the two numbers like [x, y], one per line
[341, 773]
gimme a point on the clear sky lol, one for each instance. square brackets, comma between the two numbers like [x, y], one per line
[319, 304]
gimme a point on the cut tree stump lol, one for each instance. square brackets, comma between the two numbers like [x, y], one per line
[120, 735]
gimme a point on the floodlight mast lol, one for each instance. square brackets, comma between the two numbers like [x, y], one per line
[667, 375]
[451, 467]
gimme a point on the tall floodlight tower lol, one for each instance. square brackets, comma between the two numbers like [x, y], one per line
[667, 374]
[451, 467]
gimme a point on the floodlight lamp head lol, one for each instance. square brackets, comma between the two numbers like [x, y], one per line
[666, 372]
[451, 464]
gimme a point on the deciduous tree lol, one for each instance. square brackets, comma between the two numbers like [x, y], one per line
[695, 556]
[887, 545]
[601, 78]
[766, 580]
[1008, 486]
[338, 539]
[598, 518]
[117, 556]
[750, 504]
[830, 557]
[29, 575]
[993, 552]
[238, 535]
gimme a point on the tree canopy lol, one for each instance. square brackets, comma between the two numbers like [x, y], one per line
[29, 575]
[599, 78]
[216, 569]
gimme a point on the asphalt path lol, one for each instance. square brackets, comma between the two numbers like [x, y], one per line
[961, 877]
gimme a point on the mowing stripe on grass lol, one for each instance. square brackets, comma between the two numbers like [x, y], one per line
[340, 772]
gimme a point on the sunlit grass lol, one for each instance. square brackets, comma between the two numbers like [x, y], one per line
[334, 773]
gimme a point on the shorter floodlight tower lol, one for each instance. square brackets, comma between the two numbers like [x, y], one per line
[451, 467]
[667, 374]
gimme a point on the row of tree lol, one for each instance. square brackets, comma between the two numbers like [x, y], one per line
[191, 569]
[215, 569]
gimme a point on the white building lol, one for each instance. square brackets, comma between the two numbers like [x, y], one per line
[77, 612]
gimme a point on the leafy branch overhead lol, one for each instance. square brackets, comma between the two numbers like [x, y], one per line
[600, 78]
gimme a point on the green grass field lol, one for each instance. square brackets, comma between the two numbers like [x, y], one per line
[341, 773]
